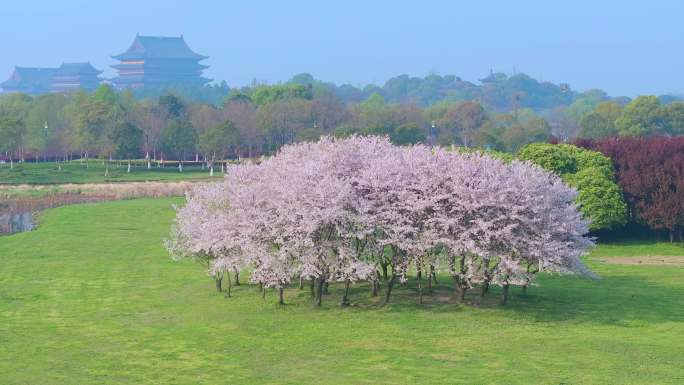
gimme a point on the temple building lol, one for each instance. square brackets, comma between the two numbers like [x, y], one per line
[75, 76]
[154, 61]
[66, 78]
[29, 80]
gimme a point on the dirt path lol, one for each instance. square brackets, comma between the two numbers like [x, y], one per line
[649, 260]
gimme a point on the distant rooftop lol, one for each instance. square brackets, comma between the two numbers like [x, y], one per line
[159, 47]
[75, 69]
[32, 79]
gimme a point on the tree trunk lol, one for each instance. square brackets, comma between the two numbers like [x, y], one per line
[345, 296]
[312, 288]
[217, 281]
[433, 274]
[230, 285]
[325, 288]
[461, 285]
[484, 289]
[462, 289]
[388, 292]
[524, 289]
[420, 287]
[281, 300]
[319, 292]
[672, 236]
[301, 283]
[237, 277]
[374, 287]
[263, 292]
[504, 295]
[384, 271]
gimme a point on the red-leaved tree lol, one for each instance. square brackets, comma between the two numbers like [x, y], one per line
[651, 174]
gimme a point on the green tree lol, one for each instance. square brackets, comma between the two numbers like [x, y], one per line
[179, 139]
[237, 96]
[281, 121]
[265, 94]
[11, 129]
[106, 94]
[591, 173]
[309, 134]
[600, 198]
[375, 116]
[584, 104]
[127, 139]
[521, 132]
[463, 120]
[16, 108]
[672, 116]
[91, 121]
[303, 78]
[48, 110]
[641, 117]
[345, 130]
[489, 136]
[172, 105]
[600, 123]
[559, 159]
[409, 133]
[216, 141]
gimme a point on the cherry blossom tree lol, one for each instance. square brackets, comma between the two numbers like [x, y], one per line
[340, 210]
[203, 232]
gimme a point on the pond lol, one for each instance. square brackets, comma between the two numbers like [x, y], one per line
[16, 222]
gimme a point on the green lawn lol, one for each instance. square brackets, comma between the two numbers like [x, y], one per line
[91, 297]
[76, 172]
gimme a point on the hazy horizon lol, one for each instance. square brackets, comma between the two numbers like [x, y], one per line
[621, 48]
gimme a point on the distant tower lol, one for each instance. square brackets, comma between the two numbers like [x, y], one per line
[155, 61]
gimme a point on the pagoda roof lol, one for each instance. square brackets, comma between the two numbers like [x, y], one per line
[30, 76]
[76, 69]
[159, 47]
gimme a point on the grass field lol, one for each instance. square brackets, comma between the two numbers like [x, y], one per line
[91, 297]
[76, 172]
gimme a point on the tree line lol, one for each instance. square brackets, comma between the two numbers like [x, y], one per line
[260, 119]
[650, 172]
[624, 183]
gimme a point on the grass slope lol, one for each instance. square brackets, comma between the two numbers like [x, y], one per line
[91, 298]
[76, 172]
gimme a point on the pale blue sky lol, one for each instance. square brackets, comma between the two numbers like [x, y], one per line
[624, 47]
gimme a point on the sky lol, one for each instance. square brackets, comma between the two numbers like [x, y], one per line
[624, 47]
